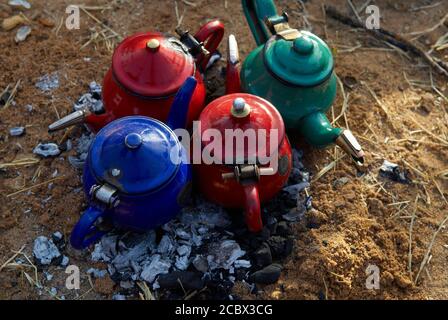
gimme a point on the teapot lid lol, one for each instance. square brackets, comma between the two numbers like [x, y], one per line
[133, 154]
[305, 61]
[152, 65]
[243, 111]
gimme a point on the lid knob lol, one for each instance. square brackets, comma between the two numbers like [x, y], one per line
[240, 108]
[303, 45]
[133, 140]
[153, 44]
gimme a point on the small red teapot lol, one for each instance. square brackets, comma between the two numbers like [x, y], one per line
[242, 176]
[147, 71]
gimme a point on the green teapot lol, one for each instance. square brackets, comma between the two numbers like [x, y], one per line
[294, 70]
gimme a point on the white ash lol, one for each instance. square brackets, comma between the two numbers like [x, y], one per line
[196, 240]
[223, 254]
[29, 107]
[20, 3]
[91, 100]
[97, 273]
[82, 149]
[118, 297]
[22, 33]
[65, 261]
[48, 276]
[17, 131]
[48, 82]
[45, 251]
[47, 150]
[213, 59]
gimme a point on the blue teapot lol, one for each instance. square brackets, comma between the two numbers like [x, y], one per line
[131, 176]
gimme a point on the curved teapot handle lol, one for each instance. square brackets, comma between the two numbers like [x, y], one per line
[85, 232]
[256, 12]
[252, 208]
[233, 83]
[211, 35]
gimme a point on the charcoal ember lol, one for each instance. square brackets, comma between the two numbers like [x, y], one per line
[295, 214]
[267, 275]
[177, 279]
[200, 263]
[4, 98]
[66, 145]
[393, 172]
[262, 256]
[58, 239]
[280, 247]
[95, 90]
[47, 150]
[45, 252]
[223, 254]
[264, 234]
[283, 229]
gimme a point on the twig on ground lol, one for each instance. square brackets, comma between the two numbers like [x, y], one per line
[428, 251]
[392, 38]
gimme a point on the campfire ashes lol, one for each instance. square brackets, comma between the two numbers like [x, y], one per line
[202, 252]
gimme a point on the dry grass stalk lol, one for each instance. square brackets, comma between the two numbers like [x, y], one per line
[19, 163]
[35, 186]
[327, 168]
[354, 10]
[147, 294]
[13, 94]
[411, 226]
[436, 26]
[344, 104]
[443, 141]
[426, 258]
[429, 6]
[378, 101]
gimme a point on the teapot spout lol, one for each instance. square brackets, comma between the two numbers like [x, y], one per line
[318, 131]
[69, 120]
[233, 84]
[177, 117]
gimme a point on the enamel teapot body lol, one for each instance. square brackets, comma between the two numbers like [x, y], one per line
[244, 184]
[136, 174]
[146, 72]
[294, 70]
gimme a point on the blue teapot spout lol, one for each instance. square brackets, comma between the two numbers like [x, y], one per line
[177, 117]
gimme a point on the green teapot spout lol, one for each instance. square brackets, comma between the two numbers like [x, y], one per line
[318, 131]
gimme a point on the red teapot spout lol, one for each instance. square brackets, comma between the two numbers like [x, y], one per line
[69, 120]
[233, 84]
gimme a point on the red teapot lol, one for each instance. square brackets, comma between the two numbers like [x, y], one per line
[242, 176]
[146, 73]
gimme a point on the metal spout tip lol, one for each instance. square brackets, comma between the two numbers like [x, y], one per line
[350, 145]
[69, 120]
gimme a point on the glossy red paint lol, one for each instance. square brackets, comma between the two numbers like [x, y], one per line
[245, 194]
[147, 70]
